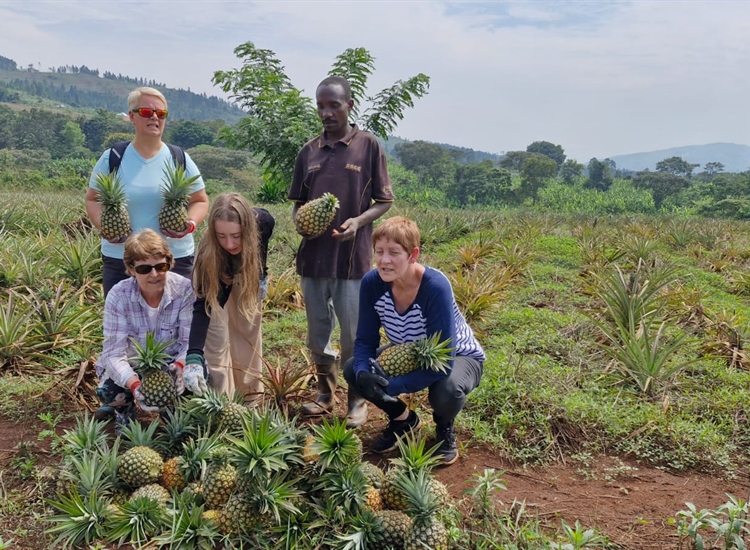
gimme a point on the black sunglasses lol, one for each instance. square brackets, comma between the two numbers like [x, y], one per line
[146, 112]
[145, 269]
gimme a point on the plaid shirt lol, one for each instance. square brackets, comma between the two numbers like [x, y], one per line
[126, 317]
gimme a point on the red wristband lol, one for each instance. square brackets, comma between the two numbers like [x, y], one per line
[193, 225]
[134, 386]
[180, 364]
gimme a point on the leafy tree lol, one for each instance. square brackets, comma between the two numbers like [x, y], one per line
[537, 170]
[713, 168]
[570, 171]
[219, 162]
[676, 166]
[7, 139]
[514, 160]
[433, 163]
[555, 152]
[98, 127]
[281, 120]
[661, 184]
[72, 135]
[480, 184]
[189, 133]
[730, 186]
[600, 175]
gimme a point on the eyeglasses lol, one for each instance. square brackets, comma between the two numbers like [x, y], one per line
[147, 112]
[145, 269]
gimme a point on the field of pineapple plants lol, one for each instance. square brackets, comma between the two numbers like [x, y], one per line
[612, 413]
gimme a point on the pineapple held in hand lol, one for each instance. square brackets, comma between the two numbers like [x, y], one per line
[157, 385]
[425, 353]
[115, 220]
[314, 217]
[176, 193]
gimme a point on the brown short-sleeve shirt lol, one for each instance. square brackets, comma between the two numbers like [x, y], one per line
[353, 169]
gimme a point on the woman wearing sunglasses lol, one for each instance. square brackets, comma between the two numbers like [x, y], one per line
[141, 170]
[228, 280]
[152, 299]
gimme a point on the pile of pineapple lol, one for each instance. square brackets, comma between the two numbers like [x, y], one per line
[215, 474]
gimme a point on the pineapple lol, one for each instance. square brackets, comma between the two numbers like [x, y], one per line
[181, 470]
[220, 479]
[115, 220]
[314, 217]
[175, 191]
[375, 476]
[154, 491]
[373, 499]
[425, 353]
[427, 531]
[156, 384]
[335, 445]
[223, 414]
[394, 525]
[141, 464]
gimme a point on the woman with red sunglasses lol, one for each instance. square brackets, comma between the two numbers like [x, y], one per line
[141, 170]
[152, 299]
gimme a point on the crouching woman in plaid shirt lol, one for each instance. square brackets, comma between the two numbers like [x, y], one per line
[152, 299]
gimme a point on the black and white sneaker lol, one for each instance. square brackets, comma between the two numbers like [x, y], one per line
[387, 441]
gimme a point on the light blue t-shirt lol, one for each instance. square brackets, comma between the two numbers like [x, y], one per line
[142, 180]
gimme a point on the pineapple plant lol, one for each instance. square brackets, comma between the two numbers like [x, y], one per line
[150, 358]
[136, 522]
[217, 409]
[426, 531]
[180, 471]
[81, 520]
[175, 191]
[314, 217]
[115, 220]
[425, 353]
[334, 445]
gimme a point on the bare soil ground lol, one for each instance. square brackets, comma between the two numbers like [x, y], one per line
[628, 502]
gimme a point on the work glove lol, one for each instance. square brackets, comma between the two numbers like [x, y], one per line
[140, 400]
[192, 374]
[371, 387]
[175, 371]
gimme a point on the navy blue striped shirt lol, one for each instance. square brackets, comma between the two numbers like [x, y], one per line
[433, 311]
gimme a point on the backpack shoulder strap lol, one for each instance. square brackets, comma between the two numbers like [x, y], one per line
[115, 154]
[177, 154]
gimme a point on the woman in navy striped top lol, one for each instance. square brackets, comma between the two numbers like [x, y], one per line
[410, 301]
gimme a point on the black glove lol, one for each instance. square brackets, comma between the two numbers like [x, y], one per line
[370, 386]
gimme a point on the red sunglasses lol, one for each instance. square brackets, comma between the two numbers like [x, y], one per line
[146, 112]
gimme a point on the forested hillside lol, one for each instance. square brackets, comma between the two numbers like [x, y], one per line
[83, 88]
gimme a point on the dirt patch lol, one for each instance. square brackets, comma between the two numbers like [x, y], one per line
[629, 503]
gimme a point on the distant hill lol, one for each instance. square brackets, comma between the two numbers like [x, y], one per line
[734, 157]
[469, 156]
[90, 91]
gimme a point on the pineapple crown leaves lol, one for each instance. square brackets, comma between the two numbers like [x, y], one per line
[414, 456]
[266, 448]
[207, 407]
[195, 456]
[152, 355]
[80, 520]
[346, 486]
[89, 435]
[91, 474]
[363, 528]
[432, 354]
[134, 435]
[109, 190]
[188, 529]
[136, 522]
[422, 503]
[275, 496]
[176, 187]
[178, 428]
[335, 444]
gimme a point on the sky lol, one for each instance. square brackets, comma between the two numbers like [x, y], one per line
[601, 78]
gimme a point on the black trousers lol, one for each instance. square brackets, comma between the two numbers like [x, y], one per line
[113, 270]
[447, 396]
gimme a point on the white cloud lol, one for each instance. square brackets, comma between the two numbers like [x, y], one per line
[600, 78]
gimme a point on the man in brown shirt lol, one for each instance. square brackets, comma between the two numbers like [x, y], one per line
[351, 165]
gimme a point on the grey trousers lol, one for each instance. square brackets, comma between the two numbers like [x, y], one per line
[326, 300]
[447, 396]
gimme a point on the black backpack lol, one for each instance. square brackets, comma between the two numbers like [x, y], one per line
[118, 149]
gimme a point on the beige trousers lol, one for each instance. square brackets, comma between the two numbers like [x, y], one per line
[234, 351]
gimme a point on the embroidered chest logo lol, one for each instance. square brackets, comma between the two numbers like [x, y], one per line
[313, 168]
[354, 167]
